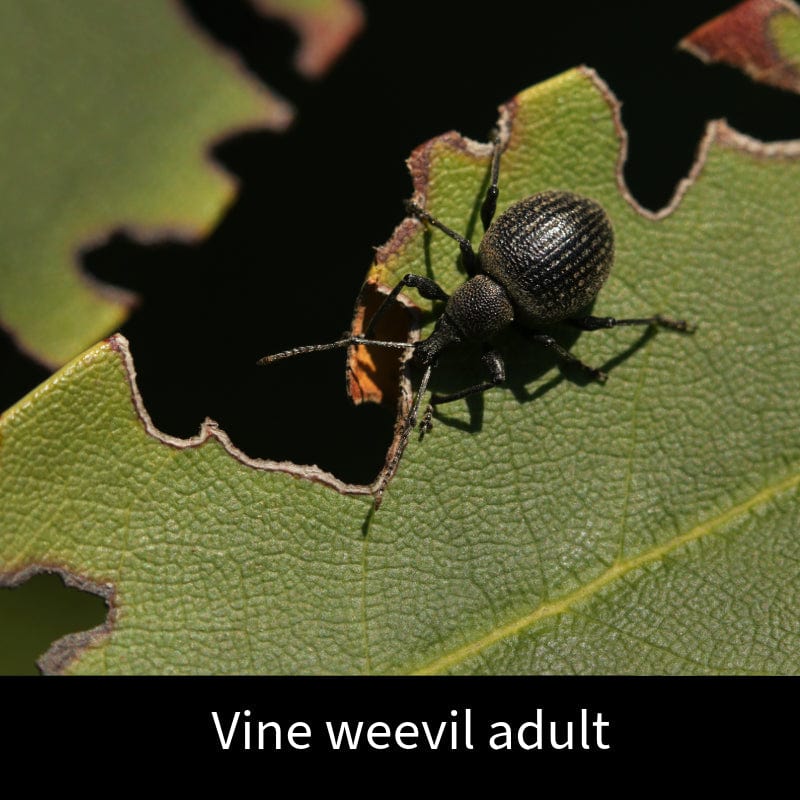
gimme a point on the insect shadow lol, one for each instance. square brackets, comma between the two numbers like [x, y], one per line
[526, 366]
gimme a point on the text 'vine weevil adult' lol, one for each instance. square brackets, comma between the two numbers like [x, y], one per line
[542, 261]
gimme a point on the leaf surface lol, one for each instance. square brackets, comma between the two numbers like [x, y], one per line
[643, 526]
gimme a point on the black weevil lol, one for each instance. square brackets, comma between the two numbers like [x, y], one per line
[542, 261]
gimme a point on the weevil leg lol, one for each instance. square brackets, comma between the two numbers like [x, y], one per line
[565, 357]
[468, 255]
[408, 427]
[496, 368]
[427, 288]
[601, 323]
[490, 201]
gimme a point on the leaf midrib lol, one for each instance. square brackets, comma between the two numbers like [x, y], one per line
[615, 572]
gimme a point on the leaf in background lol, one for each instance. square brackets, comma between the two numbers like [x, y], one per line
[108, 111]
[325, 27]
[760, 37]
[643, 526]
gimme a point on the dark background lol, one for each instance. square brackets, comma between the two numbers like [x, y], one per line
[287, 260]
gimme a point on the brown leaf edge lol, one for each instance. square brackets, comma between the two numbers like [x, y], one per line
[324, 33]
[369, 378]
[741, 38]
[211, 430]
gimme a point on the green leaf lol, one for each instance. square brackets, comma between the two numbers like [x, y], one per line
[109, 109]
[646, 525]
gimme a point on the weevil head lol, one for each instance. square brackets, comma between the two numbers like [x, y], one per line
[427, 351]
[475, 312]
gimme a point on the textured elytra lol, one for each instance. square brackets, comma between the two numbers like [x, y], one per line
[552, 252]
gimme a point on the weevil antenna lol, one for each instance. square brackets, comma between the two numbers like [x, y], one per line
[318, 348]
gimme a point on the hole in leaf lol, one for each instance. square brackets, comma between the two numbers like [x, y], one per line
[374, 371]
[37, 613]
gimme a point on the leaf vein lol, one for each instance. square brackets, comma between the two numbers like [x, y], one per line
[617, 571]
